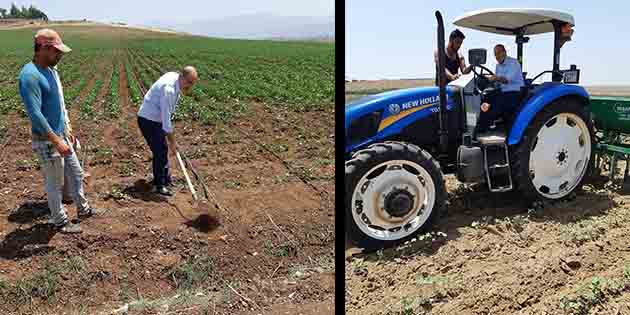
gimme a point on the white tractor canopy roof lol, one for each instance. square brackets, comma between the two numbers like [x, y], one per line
[506, 21]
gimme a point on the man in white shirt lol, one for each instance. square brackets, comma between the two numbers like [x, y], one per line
[154, 120]
[510, 77]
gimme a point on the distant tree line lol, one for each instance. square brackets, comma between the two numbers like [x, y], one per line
[22, 13]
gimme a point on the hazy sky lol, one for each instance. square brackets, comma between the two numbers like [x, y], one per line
[142, 11]
[397, 39]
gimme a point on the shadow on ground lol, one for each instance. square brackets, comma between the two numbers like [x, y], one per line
[24, 243]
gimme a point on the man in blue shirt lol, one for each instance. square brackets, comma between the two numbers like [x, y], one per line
[509, 75]
[52, 141]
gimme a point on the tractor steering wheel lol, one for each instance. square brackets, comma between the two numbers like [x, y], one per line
[482, 69]
[488, 86]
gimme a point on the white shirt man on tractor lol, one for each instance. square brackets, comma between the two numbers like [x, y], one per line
[509, 75]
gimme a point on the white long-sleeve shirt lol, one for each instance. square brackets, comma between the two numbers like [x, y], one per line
[160, 102]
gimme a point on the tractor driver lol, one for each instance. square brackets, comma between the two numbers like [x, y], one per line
[509, 75]
[454, 60]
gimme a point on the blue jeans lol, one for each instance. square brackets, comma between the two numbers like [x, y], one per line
[57, 169]
[156, 139]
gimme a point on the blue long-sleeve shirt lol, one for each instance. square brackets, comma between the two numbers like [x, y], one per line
[40, 94]
[511, 70]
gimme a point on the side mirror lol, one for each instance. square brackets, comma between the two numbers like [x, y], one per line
[571, 76]
[477, 56]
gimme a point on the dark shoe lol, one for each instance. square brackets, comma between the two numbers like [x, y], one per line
[69, 228]
[90, 212]
[162, 191]
[169, 183]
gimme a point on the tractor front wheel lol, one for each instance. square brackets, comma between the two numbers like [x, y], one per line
[393, 190]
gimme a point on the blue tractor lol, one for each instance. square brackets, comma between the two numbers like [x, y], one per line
[399, 144]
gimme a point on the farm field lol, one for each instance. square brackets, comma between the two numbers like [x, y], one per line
[259, 127]
[492, 253]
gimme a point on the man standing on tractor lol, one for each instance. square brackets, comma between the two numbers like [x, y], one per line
[509, 75]
[454, 60]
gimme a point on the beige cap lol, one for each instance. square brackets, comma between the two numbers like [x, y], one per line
[47, 36]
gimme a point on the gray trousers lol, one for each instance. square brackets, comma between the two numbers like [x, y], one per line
[56, 170]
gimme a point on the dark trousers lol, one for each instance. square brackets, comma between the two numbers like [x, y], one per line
[156, 139]
[502, 104]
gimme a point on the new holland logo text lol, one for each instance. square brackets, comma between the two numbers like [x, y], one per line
[395, 109]
[424, 101]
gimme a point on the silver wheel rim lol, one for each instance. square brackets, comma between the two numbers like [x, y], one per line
[560, 155]
[368, 199]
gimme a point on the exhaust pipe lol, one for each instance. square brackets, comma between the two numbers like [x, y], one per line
[443, 131]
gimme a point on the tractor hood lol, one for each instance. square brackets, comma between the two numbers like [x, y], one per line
[392, 111]
[398, 103]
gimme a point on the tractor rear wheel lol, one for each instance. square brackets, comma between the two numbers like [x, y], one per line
[393, 190]
[554, 155]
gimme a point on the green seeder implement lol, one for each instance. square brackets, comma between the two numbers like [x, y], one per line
[611, 115]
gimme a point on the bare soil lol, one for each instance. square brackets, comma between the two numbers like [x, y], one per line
[271, 239]
[492, 253]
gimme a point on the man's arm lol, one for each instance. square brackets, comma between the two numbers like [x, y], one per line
[166, 103]
[451, 76]
[32, 97]
[463, 67]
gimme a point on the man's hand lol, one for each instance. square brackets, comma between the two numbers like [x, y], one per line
[492, 77]
[59, 144]
[485, 107]
[62, 147]
[172, 147]
[172, 144]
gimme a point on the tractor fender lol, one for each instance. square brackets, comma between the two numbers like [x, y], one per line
[546, 95]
